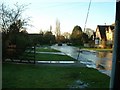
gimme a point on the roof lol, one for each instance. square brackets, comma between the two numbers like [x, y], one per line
[103, 28]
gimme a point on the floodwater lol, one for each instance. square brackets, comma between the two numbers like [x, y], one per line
[99, 60]
[71, 62]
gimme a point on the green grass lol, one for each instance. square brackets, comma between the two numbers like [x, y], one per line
[48, 57]
[46, 50]
[40, 76]
[53, 57]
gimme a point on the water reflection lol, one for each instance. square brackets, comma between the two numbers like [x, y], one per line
[104, 61]
[99, 60]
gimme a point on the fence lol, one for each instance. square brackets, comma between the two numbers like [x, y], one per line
[15, 54]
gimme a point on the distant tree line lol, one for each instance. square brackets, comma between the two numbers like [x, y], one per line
[46, 38]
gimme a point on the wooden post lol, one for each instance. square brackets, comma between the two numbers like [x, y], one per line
[34, 52]
[1, 61]
[115, 76]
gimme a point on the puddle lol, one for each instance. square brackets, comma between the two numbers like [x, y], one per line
[78, 84]
[89, 64]
[107, 72]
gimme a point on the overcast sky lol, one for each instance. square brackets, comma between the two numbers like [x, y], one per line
[44, 13]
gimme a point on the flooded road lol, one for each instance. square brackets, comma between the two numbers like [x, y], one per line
[99, 60]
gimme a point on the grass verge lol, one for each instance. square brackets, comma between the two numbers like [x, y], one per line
[47, 57]
[99, 49]
[36, 76]
[53, 57]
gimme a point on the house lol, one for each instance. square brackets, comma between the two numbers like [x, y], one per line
[104, 35]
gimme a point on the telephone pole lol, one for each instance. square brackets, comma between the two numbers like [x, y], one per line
[115, 75]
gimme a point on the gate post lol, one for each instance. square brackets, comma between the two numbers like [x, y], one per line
[34, 52]
[115, 75]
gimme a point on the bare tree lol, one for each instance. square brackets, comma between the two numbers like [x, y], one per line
[11, 25]
[57, 32]
[50, 28]
[9, 16]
